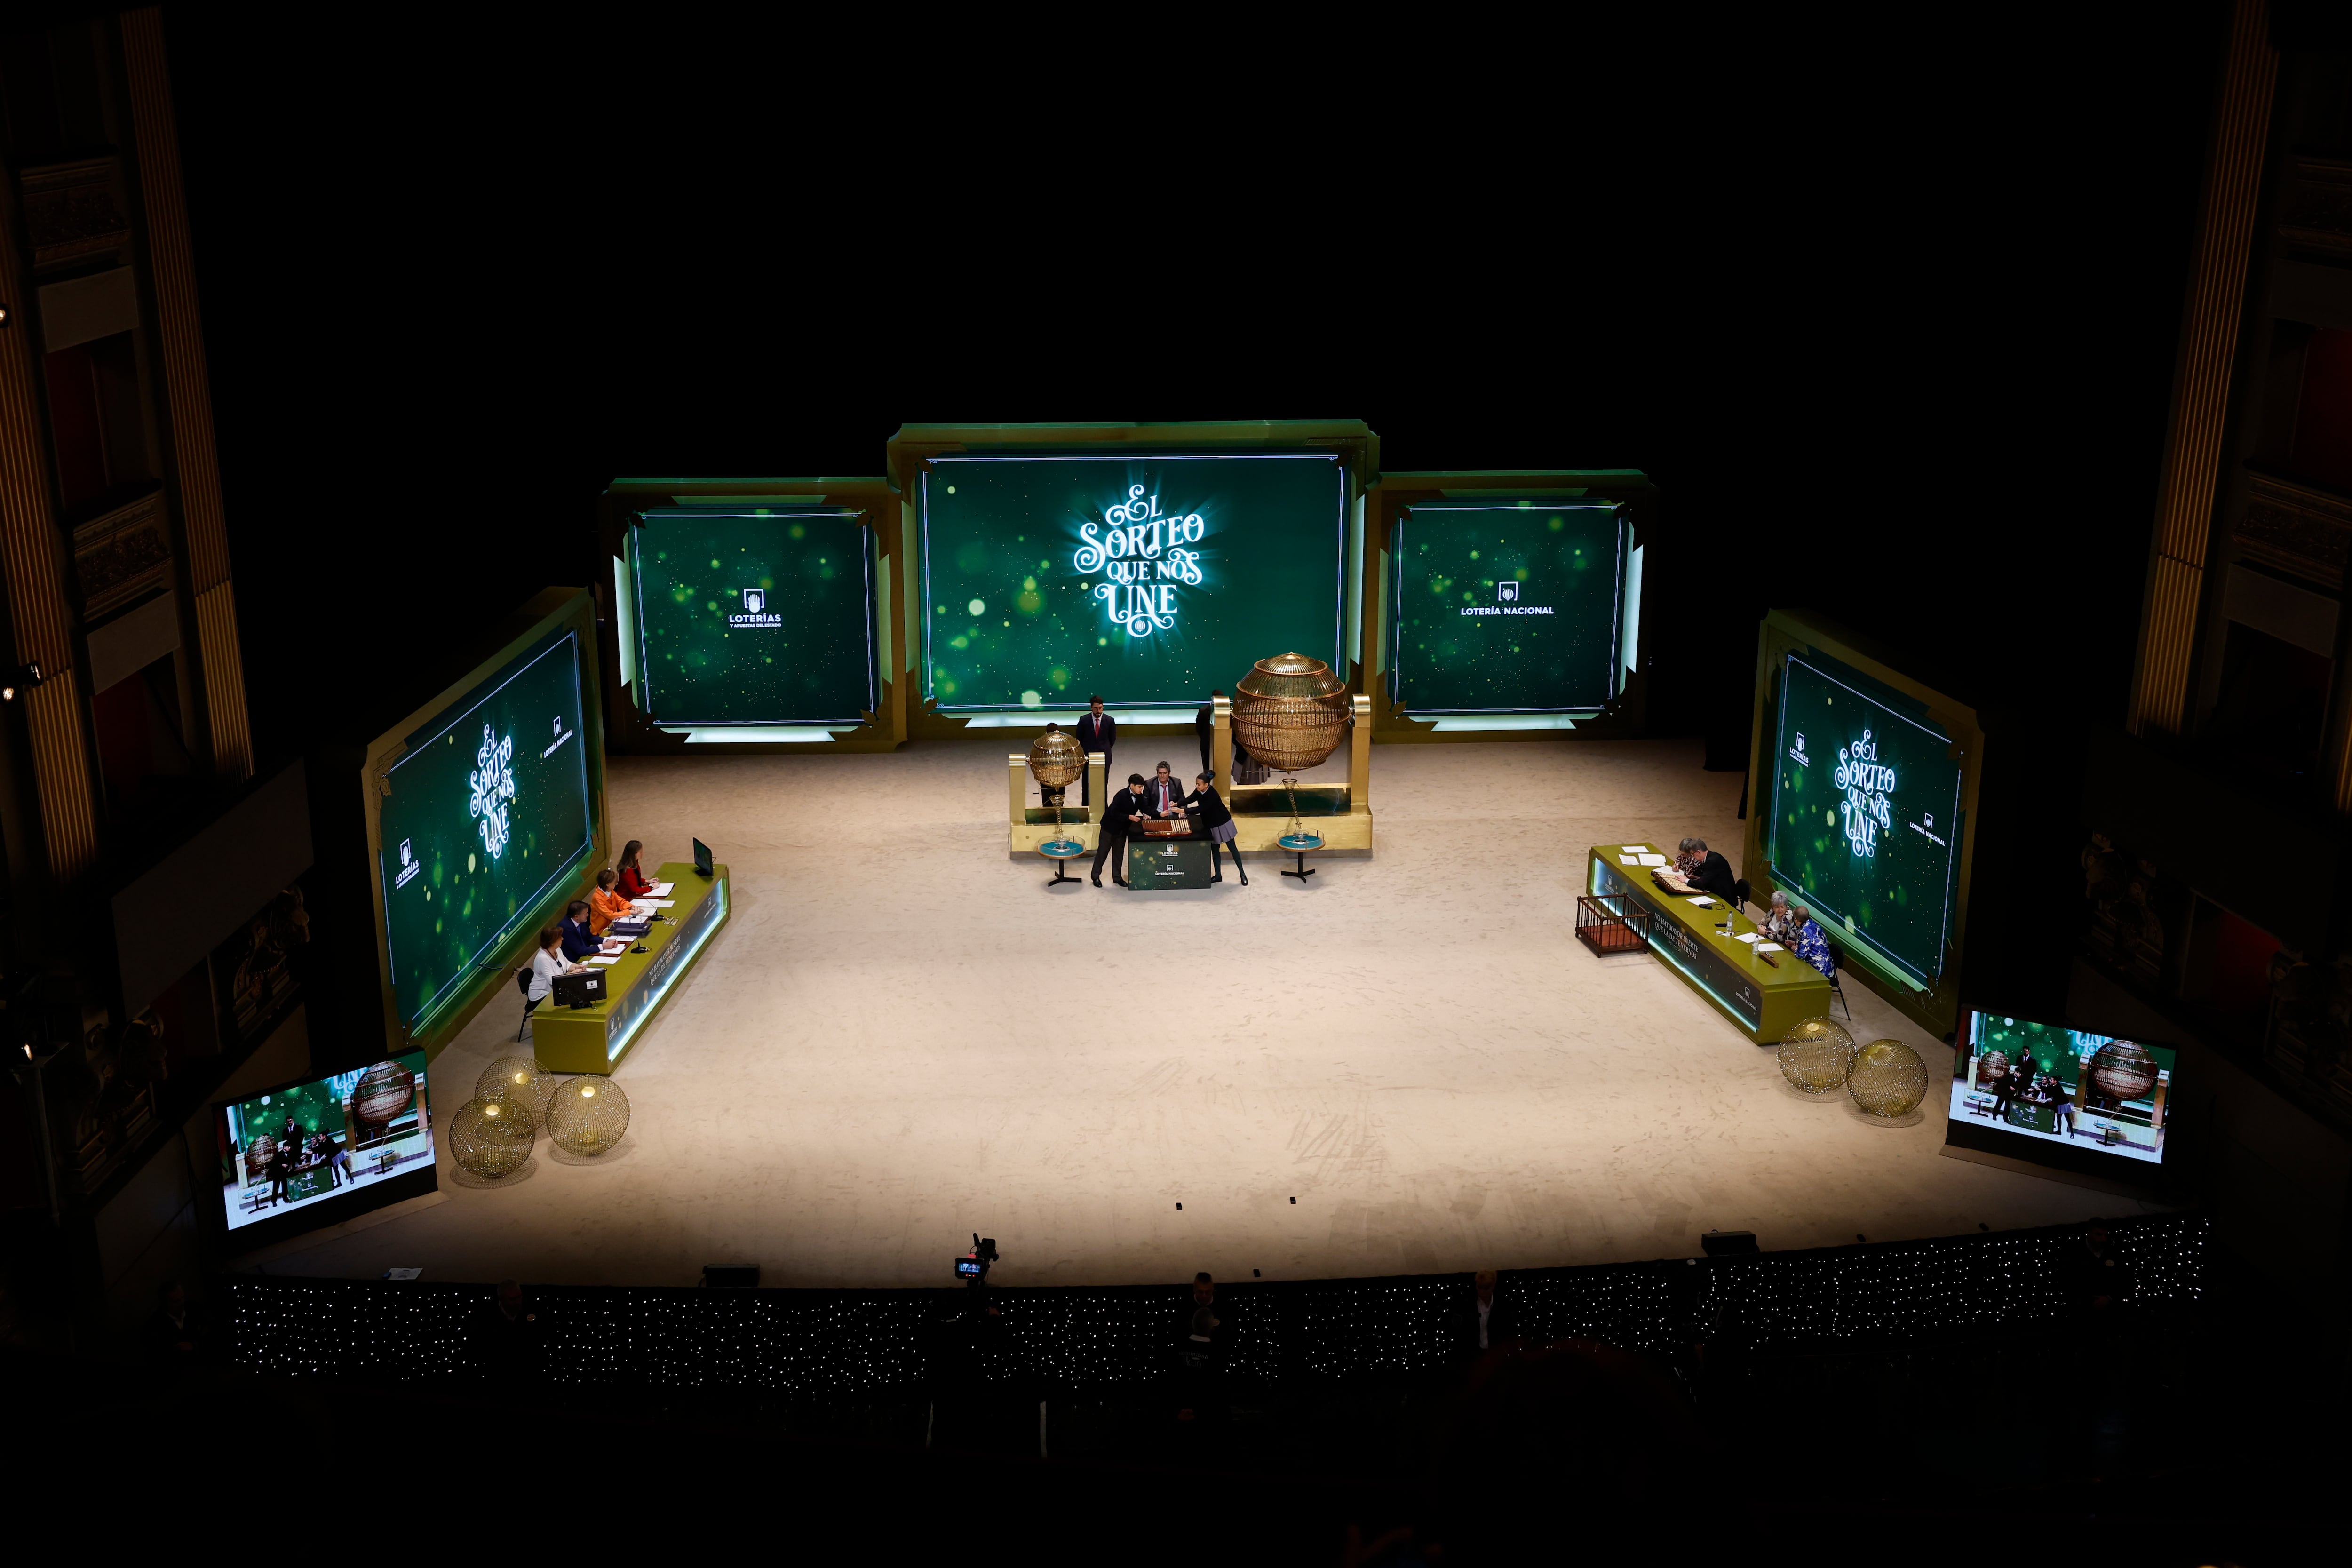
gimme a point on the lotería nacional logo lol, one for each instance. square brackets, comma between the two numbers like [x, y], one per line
[1797, 751]
[1506, 591]
[408, 867]
[493, 785]
[755, 613]
[1510, 599]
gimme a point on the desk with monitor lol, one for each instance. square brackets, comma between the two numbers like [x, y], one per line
[594, 1039]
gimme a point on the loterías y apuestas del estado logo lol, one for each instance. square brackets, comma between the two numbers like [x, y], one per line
[755, 613]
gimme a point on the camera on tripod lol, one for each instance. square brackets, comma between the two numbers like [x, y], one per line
[972, 1267]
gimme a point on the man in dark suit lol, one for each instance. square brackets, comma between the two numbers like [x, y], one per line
[1486, 1321]
[1709, 871]
[1119, 813]
[1098, 731]
[1205, 722]
[1162, 795]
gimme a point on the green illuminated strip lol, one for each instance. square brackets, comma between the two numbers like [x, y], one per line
[712, 914]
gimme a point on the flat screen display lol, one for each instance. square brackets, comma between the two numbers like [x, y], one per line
[486, 819]
[1148, 580]
[328, 1142]
[1865, 825]
[2042, 1084]
[754, 617]
[1510, 607]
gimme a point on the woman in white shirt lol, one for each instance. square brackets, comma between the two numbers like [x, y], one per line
[546, 965]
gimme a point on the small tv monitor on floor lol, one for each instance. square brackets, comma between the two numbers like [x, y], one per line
[2076, 1101]
[702, 858]
[312, 1152]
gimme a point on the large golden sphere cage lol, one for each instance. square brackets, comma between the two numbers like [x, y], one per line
[492, 1138]
[383, 1093]
[1991, 1067]
[1291, 712]
[2122, 1069]
[521, 1080]
[1817, 1056]
[1889, 1080]
[588, 1115]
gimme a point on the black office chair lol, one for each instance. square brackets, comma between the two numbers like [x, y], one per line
[1837, 991]
[1744, 893]
[522, 984]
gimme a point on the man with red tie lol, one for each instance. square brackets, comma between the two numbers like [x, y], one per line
[1164, 796]
[1098, 731]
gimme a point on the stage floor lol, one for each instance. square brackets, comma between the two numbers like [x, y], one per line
[901, 1039]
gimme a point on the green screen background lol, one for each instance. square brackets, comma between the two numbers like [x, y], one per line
[1004, 534]
[463, 901]
[816, 667]
[1568, 555]
[1898, 899]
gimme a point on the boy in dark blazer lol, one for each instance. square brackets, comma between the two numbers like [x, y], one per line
[1119, 815]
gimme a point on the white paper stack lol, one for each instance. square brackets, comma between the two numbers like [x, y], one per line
[1637, 849]
[1654, 860]
[1702, 901]
[1769, 947]
[661, 889]
[606, 961]
[1746, 936]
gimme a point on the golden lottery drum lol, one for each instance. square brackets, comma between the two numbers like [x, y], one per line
[2122, 1069]
[383, 1093]
[1291, 712]
[1889, 1080]
[1056, 761]
[589, 1115]
[492, 1138]
[1817, 1056]
[518, 1080]
[1991, 1069]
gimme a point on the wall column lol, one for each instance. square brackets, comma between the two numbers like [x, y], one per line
[187, 390]
[2200, 396]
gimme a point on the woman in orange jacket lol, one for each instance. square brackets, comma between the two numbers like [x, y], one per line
[604, 905]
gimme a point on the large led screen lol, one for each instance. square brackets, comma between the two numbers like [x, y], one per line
[1148, 580]
[328, 1143]
[1510, 607]
[2043, 1087]
[752, 617]
[1865, 825]
[486, 819]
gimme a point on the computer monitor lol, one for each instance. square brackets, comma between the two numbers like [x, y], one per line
[702, 858]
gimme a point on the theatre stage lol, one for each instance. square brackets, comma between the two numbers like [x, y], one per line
[902, 1037]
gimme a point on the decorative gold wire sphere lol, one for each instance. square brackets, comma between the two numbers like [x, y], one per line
[1291, 712]
[517, 1079]
[2123, 1069]
[383, 1093]
[588, 1116]
[492, 1138]
[1817, 1056]
[1889, 1080]
[1056, 761]
[1992, 1069]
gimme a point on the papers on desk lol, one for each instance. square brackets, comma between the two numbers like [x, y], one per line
[1701, 901]
[661, 889]
[1629, 860]
[1745, 936]
[1769, 947]
[659, 904]
[1654, 860]
[606, 961]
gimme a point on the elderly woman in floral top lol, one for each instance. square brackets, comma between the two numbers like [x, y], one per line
[1778, 925]
[1809, 944]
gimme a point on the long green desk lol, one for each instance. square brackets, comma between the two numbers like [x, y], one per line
[1763, 999]
[593, 1039]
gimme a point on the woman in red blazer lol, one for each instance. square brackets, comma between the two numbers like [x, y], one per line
[633, 881]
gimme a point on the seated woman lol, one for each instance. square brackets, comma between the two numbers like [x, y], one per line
[1778, 925]
[1808, 943]
[546, 968]
[578, 942]
[630, 880]
[604, 905]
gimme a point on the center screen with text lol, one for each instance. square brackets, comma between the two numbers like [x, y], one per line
[1866, 828]
[1148, 580]
[1511, 606]
[310, 1145]
[486, 821]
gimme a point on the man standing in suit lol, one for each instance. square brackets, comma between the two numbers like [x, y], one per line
[1098, 731]
[1119, 813]
[1164, 796]
[1205, 722]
